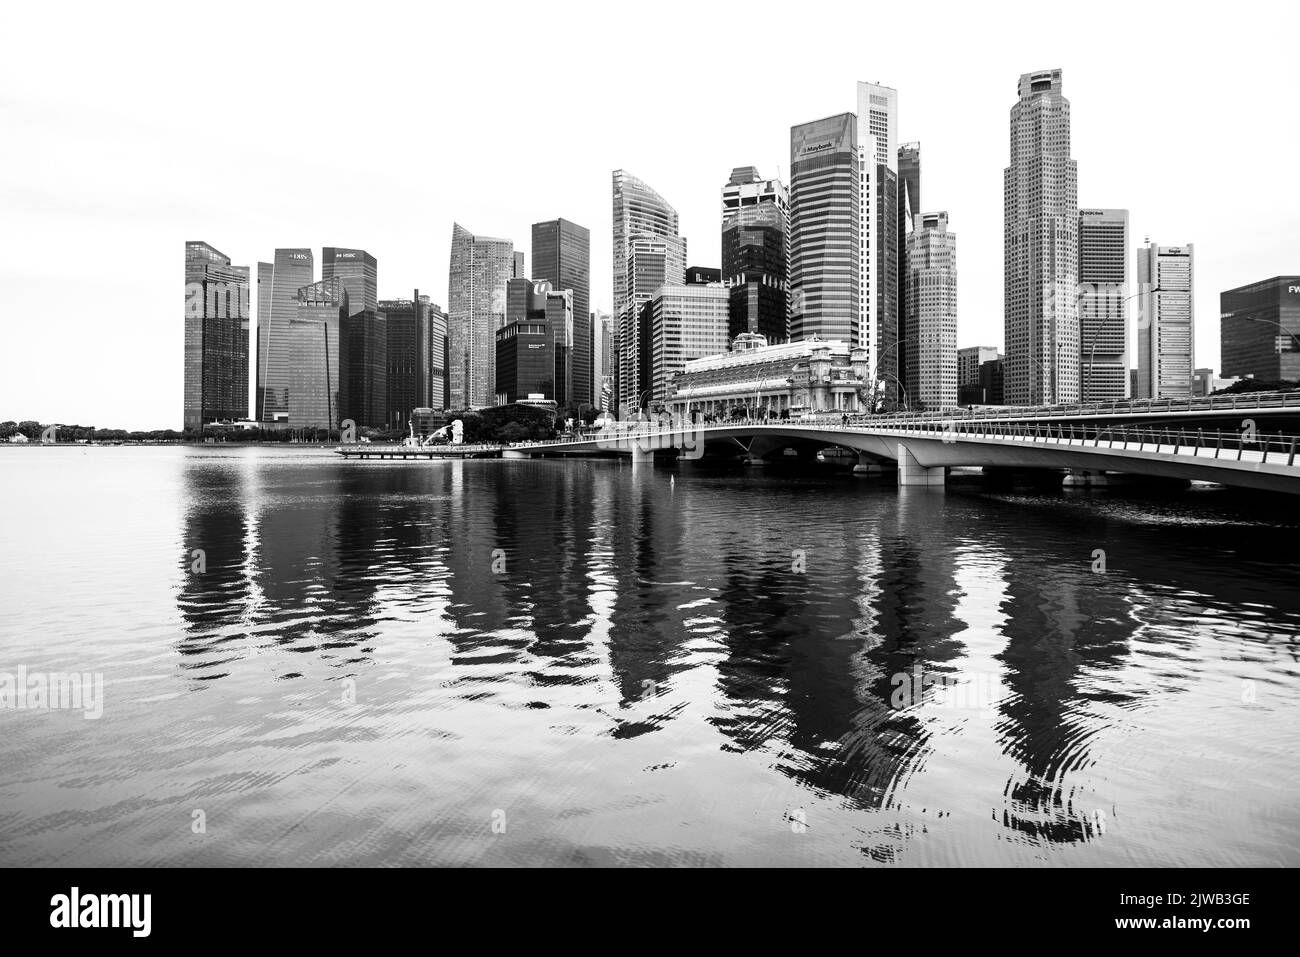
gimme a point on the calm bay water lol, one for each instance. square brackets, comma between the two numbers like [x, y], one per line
[568, 662]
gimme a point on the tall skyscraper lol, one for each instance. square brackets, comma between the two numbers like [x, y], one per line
[316, 369]
[363, 384]
[560, 318]
[1041, 248]
[562, 255]
[277, 305]
[826, 231]
[1103, 306]
[408, 351]
[681, 323]
[1259, 328]
[436, 361]
[909, 205]
[216, 337]
[358, 271]
[756, 254]
[879, 269]
[603, 351]
[476, 308]
[648, 253]
[930, 327]
[1166, 355]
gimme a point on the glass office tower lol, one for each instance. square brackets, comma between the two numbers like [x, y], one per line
[756, 254]
[278, 283]
[476, 308]
[825, 230]
[562, 256]
[216, 337]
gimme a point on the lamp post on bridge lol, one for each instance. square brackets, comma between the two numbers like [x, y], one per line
[1092, 350]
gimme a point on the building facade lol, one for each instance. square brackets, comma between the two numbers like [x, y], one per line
[969, 361]
[363, 383]
[603, 351]
[648, 253]
[789, 379]
[681, 323]
[825, 231]
[1041, 247]
[1166, 327]
[909, 204]
[476, 308]
[1259, 330]
[560, 317]
[930, 330]
[1103, 305]
[316, 372]
[562, 255]
[879, 269]
[408, 356]
[359, 273]
[278, 283]
[525, 364]
[756, 254]
[216, 337]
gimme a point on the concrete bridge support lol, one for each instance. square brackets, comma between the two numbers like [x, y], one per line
[1083, 478]
[867, 465]
[911, 472]
[642, 457]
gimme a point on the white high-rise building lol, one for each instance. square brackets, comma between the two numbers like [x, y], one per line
[648, 253]
[930, 325]
[476, 308]
[1166, 324]
[1041, 248]
[878, 268]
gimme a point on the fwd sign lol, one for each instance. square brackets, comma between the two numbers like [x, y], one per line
[1290, 289]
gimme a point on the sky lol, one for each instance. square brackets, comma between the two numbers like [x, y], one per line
[130, 128]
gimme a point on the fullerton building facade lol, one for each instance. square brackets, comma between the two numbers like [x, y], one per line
[787, 380]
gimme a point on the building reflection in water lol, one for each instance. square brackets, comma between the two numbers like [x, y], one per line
[780, 616]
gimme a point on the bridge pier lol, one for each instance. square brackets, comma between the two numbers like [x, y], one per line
[642, 457]
[868, 466]
[911, 472]
[1083, 478]
[514, 454]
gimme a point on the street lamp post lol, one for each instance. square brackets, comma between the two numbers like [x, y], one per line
[893, 345]
[1092, 350]
[1274, 322]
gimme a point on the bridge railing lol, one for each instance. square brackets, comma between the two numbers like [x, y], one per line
[1198, 443]
[1216, 403]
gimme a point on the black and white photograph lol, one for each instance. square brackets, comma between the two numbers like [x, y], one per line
[694, 436]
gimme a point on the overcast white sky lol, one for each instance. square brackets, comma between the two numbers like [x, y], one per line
[129, 128]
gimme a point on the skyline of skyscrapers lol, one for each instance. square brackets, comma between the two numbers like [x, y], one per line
[1041, 252]
[827, 257]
